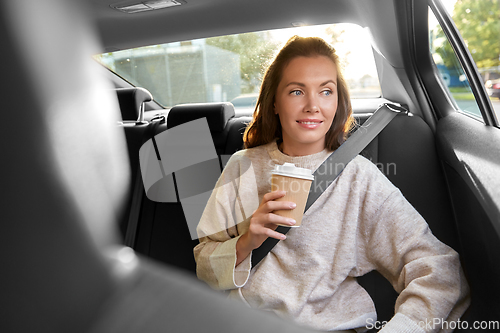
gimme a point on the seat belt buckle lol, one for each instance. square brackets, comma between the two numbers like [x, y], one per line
[396, 108]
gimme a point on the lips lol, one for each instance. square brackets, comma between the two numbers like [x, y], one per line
[309, 123]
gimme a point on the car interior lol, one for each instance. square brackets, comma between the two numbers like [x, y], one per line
[86, 249]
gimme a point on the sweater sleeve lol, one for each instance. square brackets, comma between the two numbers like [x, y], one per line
[224, 220]
[425, 272]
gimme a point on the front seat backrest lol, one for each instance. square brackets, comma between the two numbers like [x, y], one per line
[63, 173]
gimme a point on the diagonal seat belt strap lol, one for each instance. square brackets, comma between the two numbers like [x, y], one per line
[328, 171]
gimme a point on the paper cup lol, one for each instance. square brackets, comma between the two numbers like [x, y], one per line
[296, 182]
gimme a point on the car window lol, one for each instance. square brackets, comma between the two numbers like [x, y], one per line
[479, 24]
[230, 68]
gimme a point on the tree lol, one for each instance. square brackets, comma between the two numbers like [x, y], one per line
[337, 40]
[479, 24]
[255, 50]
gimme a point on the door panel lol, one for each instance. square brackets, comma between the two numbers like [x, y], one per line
[471, 155]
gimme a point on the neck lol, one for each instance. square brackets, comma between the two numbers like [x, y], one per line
[300, 150]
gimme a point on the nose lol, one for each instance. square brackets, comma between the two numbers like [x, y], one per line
[312, 104]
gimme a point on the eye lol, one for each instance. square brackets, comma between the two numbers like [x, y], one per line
[327, 92]
[295, 92]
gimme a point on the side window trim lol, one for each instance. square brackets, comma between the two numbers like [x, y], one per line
[465, 59]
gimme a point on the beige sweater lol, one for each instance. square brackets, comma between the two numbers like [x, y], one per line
[359, 224]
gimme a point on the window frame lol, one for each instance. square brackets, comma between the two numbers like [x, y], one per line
[466, 61]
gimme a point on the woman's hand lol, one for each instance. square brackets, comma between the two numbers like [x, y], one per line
[263, 224]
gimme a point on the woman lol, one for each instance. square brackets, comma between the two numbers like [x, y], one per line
[359, 224]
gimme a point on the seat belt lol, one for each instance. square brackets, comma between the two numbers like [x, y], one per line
[328, 171]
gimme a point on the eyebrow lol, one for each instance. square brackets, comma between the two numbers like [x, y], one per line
[303, 85]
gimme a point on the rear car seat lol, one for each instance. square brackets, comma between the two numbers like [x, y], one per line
[226, 129]
[405, 152]
[163, 233]
[132, 102]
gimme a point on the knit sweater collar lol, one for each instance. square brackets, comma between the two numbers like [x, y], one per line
[311, 162]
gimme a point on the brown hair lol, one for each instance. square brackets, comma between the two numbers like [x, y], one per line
[265, 125]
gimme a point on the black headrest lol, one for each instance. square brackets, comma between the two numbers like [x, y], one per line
[131, 100]
[217, 114]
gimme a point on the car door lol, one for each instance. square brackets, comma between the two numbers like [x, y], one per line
[468, 143]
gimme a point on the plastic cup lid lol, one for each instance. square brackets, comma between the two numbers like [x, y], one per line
[290, 170]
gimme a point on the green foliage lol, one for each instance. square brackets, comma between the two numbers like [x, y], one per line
[479, 24]
[447, 54]
[255, 50]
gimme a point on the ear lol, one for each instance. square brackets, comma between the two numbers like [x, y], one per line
[274, 108]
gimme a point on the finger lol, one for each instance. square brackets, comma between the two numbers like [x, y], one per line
[279, 205]
[270, 221]
[276, 220]
[273, 196]
[275, 234]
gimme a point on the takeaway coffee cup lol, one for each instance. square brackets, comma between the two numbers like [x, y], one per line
[296, 182]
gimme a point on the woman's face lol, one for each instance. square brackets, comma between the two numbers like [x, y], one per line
[306, 102]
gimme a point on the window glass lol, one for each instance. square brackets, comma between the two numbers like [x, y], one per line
[230, 68]
[479, 24]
